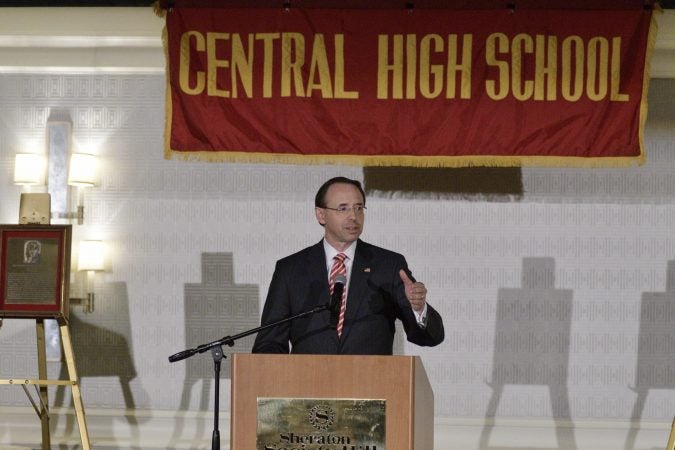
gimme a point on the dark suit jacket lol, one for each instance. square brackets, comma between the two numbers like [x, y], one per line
[375, 299]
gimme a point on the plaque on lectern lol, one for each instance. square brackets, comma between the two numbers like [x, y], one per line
[320, 424]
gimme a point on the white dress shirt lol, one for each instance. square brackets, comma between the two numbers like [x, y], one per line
[349, 260]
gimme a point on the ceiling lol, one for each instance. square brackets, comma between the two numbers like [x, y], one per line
[128, 40]
[77, 3]
[666, 4]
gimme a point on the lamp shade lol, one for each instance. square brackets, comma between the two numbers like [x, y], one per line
[91, 255]
[28, 169]
[82, 170]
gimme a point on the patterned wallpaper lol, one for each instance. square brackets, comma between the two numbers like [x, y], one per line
[557, 286]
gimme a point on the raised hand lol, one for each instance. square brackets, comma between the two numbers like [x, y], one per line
[415, 291]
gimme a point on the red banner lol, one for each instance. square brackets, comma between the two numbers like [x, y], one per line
[423, 87]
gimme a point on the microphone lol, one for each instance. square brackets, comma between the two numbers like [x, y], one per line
[338, 289]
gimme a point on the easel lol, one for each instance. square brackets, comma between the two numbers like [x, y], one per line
[55, 245]
[42, 383]
[671, 439]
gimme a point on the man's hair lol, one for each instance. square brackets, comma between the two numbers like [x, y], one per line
[320, 199]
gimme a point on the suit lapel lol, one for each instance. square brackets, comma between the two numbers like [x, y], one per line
[357, 294]
[316, 270]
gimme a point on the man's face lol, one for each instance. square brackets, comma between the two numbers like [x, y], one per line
[32, 250]
[341, 228]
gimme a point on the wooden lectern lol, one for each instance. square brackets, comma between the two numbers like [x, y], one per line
[399, 380]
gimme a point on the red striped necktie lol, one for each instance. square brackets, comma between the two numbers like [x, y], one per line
[339, 269]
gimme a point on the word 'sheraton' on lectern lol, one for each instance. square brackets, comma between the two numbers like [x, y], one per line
[398, 380]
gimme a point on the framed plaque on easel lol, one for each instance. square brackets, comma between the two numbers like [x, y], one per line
[34, 280]
[35, 271]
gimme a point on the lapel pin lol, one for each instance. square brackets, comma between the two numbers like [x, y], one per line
[367, 270]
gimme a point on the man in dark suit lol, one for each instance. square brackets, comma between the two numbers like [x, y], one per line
[379, 289]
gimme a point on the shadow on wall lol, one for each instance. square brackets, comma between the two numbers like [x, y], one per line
[492, 182]
[101, 346]
[532, 340]
[656, 341]
[215, 308]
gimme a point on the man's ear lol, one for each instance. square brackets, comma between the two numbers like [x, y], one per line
[320, 215]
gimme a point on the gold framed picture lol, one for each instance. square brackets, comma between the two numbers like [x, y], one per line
[35, 271]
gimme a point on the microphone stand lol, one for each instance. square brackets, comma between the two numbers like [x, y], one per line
[217, 353]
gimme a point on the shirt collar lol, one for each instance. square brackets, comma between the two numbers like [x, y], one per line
[331, 252]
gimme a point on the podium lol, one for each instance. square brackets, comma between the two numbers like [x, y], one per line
[398, 380]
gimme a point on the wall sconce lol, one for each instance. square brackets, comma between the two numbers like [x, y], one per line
[82, 174]
[91, 260]
[29, 169]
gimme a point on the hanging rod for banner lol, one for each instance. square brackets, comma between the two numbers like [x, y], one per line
[513, 5]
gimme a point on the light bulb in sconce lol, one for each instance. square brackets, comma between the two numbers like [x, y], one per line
[82, 173]
[91, 259]
[29, 169]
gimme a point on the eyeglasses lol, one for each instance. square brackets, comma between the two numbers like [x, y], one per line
[344, 209]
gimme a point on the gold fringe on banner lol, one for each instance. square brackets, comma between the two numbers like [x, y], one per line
[651, 43]
[405, 161]
[158, 10]
[168, 112]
